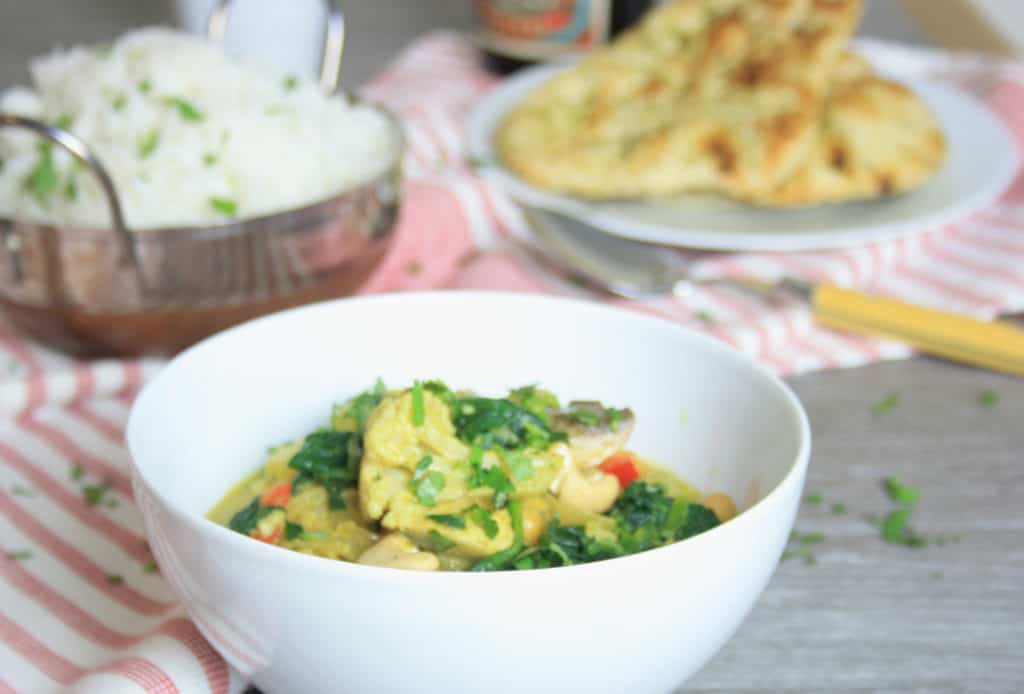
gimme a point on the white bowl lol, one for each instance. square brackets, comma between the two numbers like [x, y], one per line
[296, 623]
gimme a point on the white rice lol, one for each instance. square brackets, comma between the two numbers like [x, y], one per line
[189, 136]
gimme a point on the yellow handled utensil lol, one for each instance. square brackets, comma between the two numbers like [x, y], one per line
[633, 270]
[997, 345]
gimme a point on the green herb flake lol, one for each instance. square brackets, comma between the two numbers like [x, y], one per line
[118, 102]
[883, 406]
[839, 508]
[145, 86]
[77, 472]
[209, 159]
[988, 398]
[225, 206]
[147, 144]
[290, 83]
[814, 499]
[314, 535]
[18, 490]
[94, 493]
[186, 110]
[293, 531]
[520, 466]
[438, 542]
[450, 520]
[482, 517]
[896, 529]
[115, 579]
[71, 188]
[901, 493]
[42, 180]
[419, 412]
[150, 567]
[495, 478]
[812, 538]
[19, 555]
[615, 416]
[705, 317]
[426, 484]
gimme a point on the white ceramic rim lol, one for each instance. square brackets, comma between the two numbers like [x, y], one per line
[285, 558]
[968, 116]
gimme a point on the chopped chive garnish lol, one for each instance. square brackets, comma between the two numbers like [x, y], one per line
[814, 499]
[886, 404]
[115, 579]
[118, 102]
[150, 567]
[148, 143]
[988, 398]
[226, 206]
[439, 542]
[145, 86]
[315, 535]
[419, 413]
[291, 82]
[19, 555]
[186, 110]
[482, 517]
[812, 538]
[901, 493]
[839, 508]
[452, 521]
[520, 466]
[705, 317]
[209, 159]
[77, 472]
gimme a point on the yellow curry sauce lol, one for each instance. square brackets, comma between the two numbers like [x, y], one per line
[427, 478]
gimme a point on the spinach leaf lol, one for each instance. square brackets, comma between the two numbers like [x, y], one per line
[293, 530]
[330, 458]
[494, 423]
[360, 407]
[246, 520]
[482, 517]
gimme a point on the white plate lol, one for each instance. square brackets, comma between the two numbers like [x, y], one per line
[981, 165]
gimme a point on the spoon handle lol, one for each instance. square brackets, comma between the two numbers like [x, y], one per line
[996, 345]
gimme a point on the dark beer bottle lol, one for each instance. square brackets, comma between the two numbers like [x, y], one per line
[517, 33]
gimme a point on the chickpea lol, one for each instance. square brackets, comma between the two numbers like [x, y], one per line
[721, 505]
[535, 519]
[396, 551]
[594, 493]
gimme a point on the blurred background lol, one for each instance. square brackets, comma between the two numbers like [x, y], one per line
[381, 29]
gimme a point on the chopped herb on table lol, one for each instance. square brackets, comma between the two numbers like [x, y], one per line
[895, 527]
[290, 83]
[94, 493]
[145, 86]
[838, 508]
[19, 555]
[814, 499]
[889, 402]
[209, 159]
[115, 579]
[988, 398]
[64, 122]
[118, 102]
[77, 472]
[901, 493]
[150, 567]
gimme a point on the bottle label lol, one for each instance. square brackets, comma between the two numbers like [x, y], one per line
[544, 29]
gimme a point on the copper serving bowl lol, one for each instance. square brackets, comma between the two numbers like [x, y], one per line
[115, 291]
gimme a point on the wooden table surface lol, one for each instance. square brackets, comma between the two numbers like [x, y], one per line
[867, 616]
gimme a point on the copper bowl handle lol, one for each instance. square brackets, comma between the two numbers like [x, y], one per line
[334, 41]
[81, 151]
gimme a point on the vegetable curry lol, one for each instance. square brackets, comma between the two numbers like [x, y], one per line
[426, 478]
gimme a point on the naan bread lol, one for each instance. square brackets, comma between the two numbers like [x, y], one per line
[876, 139]
[758, 100]
[710, 95]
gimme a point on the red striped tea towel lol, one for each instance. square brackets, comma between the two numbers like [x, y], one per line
[81, 606]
